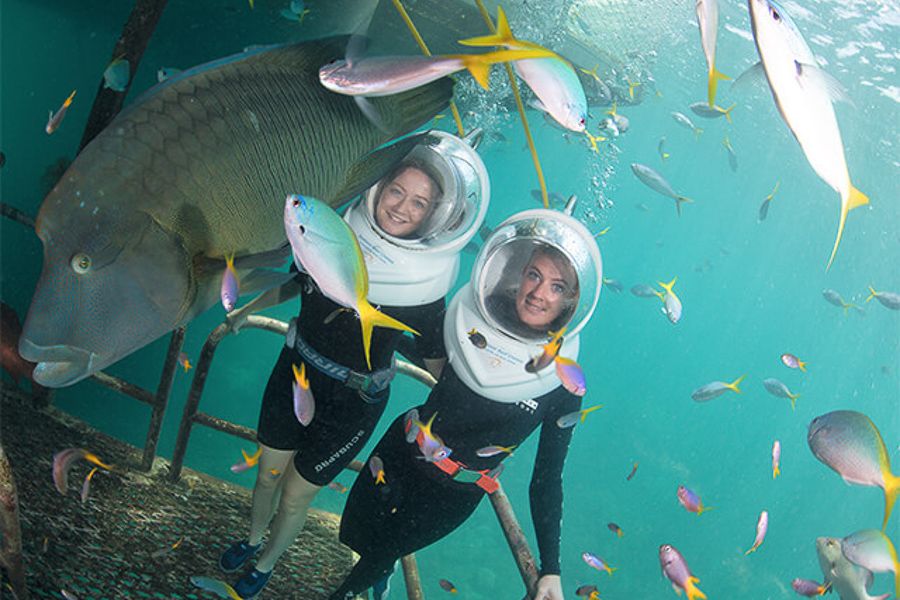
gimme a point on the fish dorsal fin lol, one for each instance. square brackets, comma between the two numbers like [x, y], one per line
[373, 166]
[814, 78]
[356, 48]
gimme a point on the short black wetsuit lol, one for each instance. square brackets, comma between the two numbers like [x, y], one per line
[419, 504]
[343, 420]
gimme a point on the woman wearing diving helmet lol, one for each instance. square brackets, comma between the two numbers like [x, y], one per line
[539, 271]
[411, 227]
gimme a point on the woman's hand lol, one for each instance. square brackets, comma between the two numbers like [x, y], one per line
[549, 587]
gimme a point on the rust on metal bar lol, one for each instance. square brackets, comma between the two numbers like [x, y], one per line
[224, 426]
[163, 391]
[130, 46]
[124, 387]
[10, 525]
[411, 578]
[14, 214]
[515, 537]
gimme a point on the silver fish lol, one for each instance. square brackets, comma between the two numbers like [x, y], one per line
[848, 580]
[677, 571]
[779, 389]
[889, 300]
[715, 389]
[613, 284]
[642, 290]
[732, 155]
[136, 232]
[685, 122]
[702, 109]
[658, 183]
[803, 93]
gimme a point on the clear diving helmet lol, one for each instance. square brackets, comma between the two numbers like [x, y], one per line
[422, 267]
[499, 321]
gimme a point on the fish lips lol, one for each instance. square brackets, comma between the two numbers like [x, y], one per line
[57, 366]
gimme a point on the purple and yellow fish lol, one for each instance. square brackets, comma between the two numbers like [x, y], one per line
[55, 119]
[304, 403]
[489, 451]
[249, 461]
[762, 526]
[63, 461]
[598, 563]
[184, 361]
[809, 588]
[676, 570]
[850, 443]
[551, 351]
[691, 501]
[230, 288]
[571, 375]
[376, 468]
[433, 448]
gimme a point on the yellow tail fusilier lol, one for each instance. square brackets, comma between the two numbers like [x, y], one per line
[369, 318]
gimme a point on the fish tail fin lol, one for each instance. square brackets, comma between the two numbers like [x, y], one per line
[611, 569]
[801, 365]
[620, 533]
[668, 286]
[479, 69]
[380, 479]
[691, 589]
[891, 492]
[751, 550]
[68, 101]
[712, 83]
[665, 155]
[503, 36]
[678, 202]
[702, 509]
[776, 471]
[612, 112]
[588, 411]
[369, 318]
[872, 293]
[793, 398]
[734, 384]
[728, 113]
[95, 460]
[697, 132]
[855, 198]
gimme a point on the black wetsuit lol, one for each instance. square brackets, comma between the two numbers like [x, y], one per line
[344, 419]
[419, 504]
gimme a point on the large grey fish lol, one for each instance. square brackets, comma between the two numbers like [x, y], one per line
[658, 183]
[803, 93]
[848, 580]
[136, 231]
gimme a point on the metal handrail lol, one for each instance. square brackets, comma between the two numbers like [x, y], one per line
[515, 537]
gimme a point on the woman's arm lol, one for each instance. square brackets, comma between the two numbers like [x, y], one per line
[546, 493]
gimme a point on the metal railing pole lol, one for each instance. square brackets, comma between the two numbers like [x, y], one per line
[411, 578]
[161, 401]
[515, 537]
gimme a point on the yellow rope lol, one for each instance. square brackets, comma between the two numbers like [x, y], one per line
[415, 33]
[515, 88]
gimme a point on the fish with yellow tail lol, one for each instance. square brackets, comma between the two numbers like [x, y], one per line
[850, 443]
[570, 419]
[304, 402]
[658, 184]
[872, 550]
[804, 93]
[551, 351]
[249, 461]
[55, 119]
[231, 285]
[714, 389]
[691, 501]
[432, 447]
[762, 527]
[708, 19]
[326, 248]
[776, 459]
[676, 570]
[387, 75]
[889, 300]
[65, 459]
[551, 77]
[671, 302]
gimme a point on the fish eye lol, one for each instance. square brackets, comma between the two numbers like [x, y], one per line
[296, 202]
[81, 263]
[775, 14]
[302, 229]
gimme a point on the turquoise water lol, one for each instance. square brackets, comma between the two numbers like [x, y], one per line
[751, 291]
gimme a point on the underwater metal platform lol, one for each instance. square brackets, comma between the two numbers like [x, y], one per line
[119, 543]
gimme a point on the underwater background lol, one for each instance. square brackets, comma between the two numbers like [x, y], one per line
[751, 290]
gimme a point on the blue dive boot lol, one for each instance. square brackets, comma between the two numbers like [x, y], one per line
[250, 585]
[237, 555]
[381, 587]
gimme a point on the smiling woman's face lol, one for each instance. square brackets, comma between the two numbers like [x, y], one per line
[543, 292]
[405, 203]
